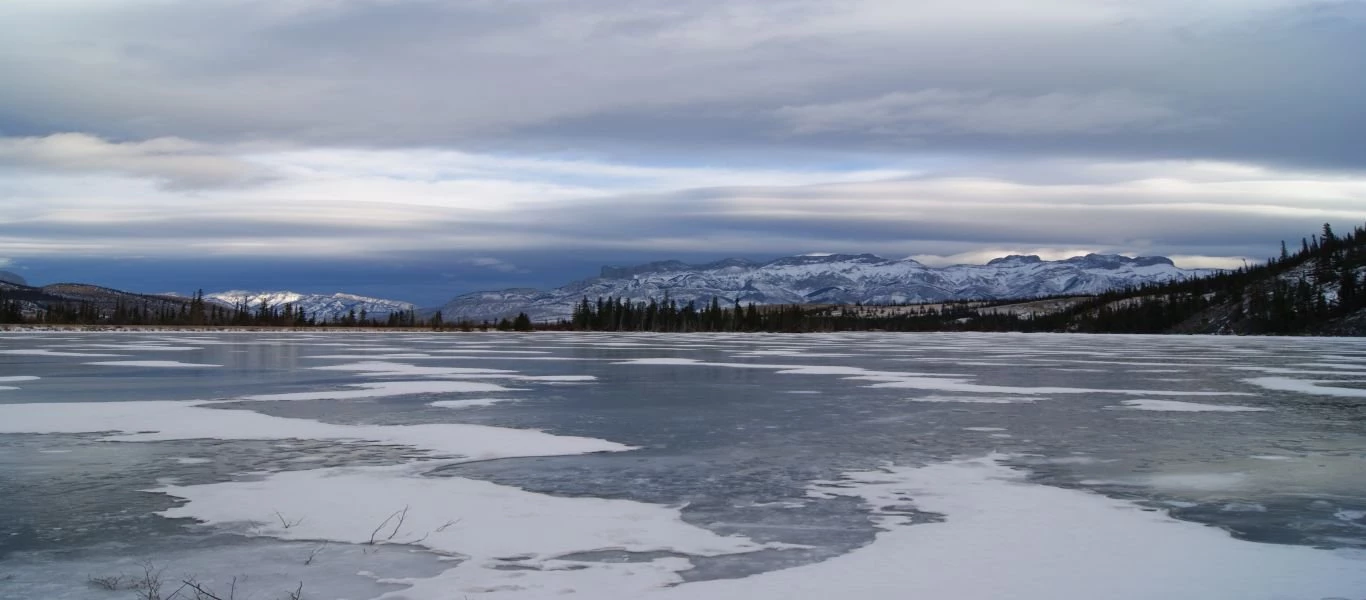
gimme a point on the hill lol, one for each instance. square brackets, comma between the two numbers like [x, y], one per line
[836, 279]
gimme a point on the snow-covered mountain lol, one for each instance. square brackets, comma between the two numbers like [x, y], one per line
[826, 279]
[323, 307]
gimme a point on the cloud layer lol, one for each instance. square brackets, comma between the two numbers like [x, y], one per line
[488, 132]
[478, 209]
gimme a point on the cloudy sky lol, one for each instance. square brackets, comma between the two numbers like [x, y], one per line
[415, 149]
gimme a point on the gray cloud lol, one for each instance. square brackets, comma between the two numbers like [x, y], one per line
[357, 204]
[1270, 80]
[174, 161]
[936, 111]
[652, 128]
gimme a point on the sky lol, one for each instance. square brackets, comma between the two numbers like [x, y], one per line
[418, 149]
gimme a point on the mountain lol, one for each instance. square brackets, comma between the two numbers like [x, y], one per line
[8, 277]
[825, 279]
[323, 307]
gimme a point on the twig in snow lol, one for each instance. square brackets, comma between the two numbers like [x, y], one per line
[400, 514]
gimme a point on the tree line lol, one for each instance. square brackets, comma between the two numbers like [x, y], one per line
[1295, 292]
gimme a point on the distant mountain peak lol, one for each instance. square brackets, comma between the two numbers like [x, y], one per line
[324, 307]
[826, 278]
[1114, 261]
[1016, 259]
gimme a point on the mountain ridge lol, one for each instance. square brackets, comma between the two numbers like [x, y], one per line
[825, 279]
[323, 307]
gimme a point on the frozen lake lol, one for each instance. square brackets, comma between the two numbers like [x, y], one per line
[428, 466]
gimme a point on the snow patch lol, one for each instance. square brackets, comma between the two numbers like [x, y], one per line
[977, 399]
[493, 526]
[1302, 386]
[149, 421]
[46, 352]
[472, 403]
[1178, 406]
[385, 389]
[157, 364]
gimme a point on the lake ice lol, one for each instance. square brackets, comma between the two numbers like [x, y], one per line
[433, 466]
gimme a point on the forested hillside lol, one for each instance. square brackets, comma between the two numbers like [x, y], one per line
[1318, 288]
